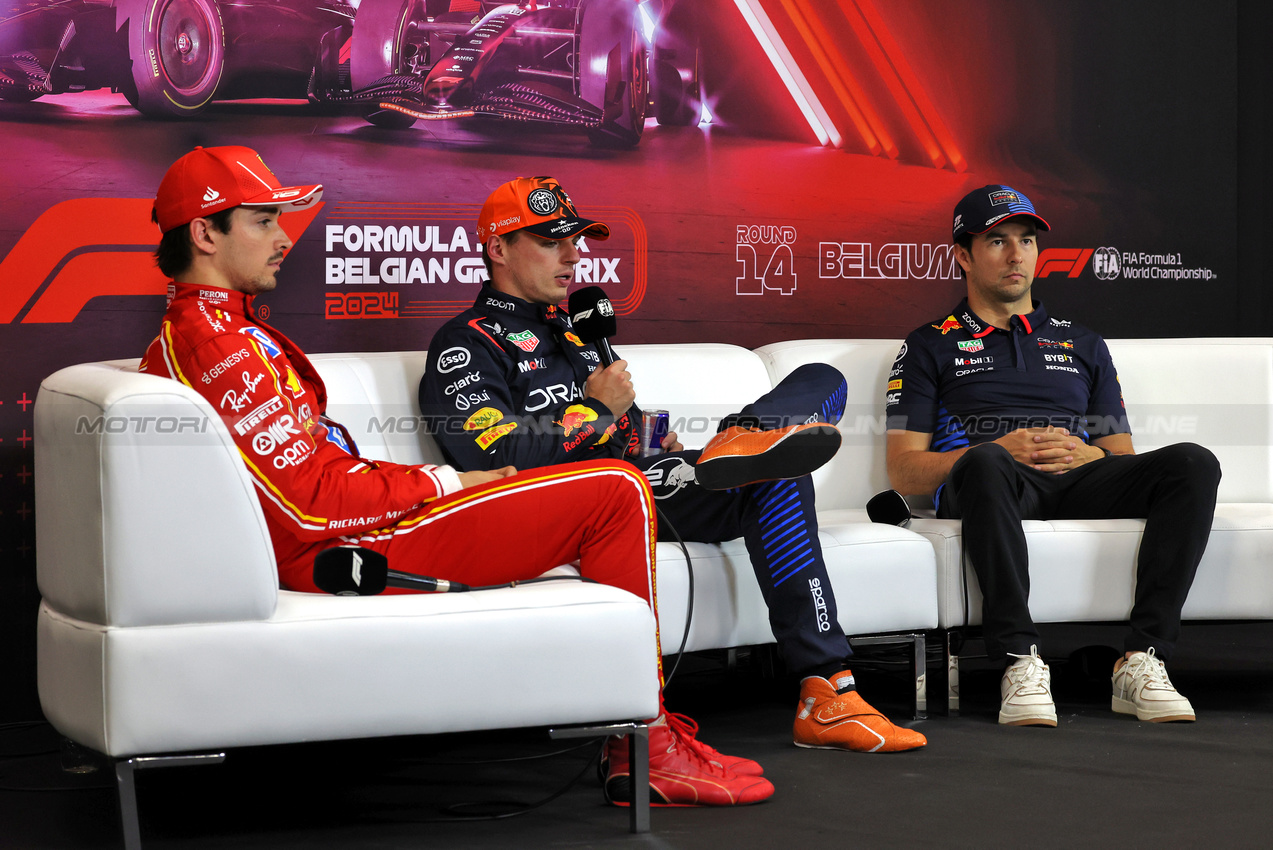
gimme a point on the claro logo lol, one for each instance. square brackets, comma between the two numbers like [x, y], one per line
[86, 247]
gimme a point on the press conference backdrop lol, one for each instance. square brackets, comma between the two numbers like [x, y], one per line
[800, 185]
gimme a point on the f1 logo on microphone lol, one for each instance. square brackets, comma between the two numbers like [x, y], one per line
[357, 569]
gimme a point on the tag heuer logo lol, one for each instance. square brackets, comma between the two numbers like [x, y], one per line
[971, 345]
[211, 194]
[526, 341]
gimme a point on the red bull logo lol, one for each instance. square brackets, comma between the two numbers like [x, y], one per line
[576, 340]
[575, 417]
[950, 323]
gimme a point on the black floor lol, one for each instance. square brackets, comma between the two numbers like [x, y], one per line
[1097, 780]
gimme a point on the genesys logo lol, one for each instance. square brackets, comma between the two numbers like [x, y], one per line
[1108, 263]
[88, 247]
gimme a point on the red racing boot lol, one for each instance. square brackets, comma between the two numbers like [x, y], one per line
[689, 733]
[679, 773]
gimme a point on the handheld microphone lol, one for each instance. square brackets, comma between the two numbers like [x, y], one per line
[592, 316]
[890, 508]
[355, 571]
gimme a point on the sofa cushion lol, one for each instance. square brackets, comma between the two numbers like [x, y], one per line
[1085, 570]
[326, 667]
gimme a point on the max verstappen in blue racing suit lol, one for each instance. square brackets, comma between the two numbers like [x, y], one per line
[509, 382]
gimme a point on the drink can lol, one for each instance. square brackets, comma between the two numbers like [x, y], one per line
[654, 425]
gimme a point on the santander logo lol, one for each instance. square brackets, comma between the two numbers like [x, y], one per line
[211, 194]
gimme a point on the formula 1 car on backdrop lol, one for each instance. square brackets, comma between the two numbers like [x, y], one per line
[600, 65]
[594, 64]
[169, 58]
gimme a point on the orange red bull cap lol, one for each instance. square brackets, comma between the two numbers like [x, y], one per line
[538, 205]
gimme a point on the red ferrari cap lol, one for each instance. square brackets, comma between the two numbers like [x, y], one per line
[536, 204]
[209, 180]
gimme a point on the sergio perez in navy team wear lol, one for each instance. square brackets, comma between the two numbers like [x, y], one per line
[1004, 413]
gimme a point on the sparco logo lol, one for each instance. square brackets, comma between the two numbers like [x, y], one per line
[1105, 263]
[819, 605]
[452, 359]
[542, 202]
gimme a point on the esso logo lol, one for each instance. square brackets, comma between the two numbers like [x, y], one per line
[452, 359]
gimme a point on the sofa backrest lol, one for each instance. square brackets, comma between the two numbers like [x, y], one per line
[1215, 392]
[857, 472]
[146, 514]
[375, 396]
[697, 383]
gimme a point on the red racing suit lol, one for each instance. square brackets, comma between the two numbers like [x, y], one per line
[316, 491]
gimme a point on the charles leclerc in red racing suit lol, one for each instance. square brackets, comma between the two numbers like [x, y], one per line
[218, 210]
[316, 492]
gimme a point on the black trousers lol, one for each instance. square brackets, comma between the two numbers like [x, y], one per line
[1173, 489]
[776, 519]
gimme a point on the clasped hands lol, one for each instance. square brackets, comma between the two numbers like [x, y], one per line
[1049, 449]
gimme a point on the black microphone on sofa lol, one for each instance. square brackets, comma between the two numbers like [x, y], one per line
[356, 571]
[890, 508]
[592, 316]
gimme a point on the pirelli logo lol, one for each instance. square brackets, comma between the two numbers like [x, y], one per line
[256, 417]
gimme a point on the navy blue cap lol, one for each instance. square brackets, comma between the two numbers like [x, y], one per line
[981, 209]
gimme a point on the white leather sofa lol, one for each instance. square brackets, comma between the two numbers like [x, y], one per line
[164, 640]
[1215, 392]
[162, 630]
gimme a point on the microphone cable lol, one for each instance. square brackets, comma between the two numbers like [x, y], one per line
[689, 602]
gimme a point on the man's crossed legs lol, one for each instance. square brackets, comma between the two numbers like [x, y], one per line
[776, 519]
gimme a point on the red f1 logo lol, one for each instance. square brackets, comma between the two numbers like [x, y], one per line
[1068, 260]
[86, 247]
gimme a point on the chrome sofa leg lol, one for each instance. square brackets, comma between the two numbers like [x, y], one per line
[919, 651]
[952, 674]
[124, 778]
[638, 757]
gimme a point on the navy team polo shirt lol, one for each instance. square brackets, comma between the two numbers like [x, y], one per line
[966, 382]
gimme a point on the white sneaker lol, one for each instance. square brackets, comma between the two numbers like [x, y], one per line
[1026, 692]
[1141, 687]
